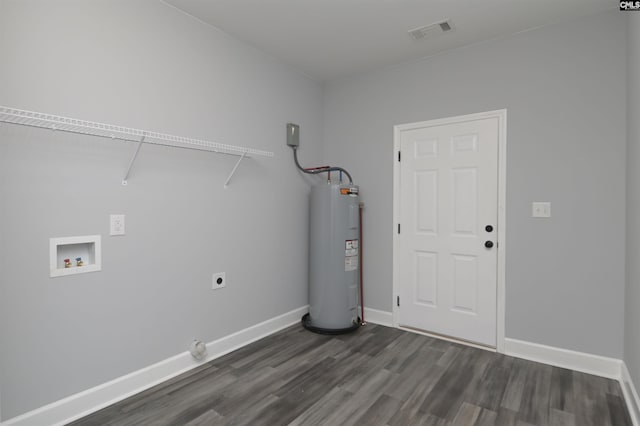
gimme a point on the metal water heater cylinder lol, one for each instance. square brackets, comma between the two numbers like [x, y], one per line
[334, 257]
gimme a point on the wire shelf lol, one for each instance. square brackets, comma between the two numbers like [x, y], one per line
[73, 125]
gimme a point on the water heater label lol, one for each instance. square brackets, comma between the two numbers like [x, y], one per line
[351, 255]
[350, 263]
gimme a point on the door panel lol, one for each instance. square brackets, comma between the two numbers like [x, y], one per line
[426, 278]
[465, 283]
[426, 202]
[464, 208]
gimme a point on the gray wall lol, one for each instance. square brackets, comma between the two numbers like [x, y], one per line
[632, 299]
[141, 64]
[564, 89]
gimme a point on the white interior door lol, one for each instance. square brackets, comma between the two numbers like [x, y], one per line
[448, 211]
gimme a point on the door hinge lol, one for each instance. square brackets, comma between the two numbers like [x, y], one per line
[398, 300]
[398, 155]
[398, 228]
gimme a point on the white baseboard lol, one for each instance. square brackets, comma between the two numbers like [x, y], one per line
[565, 358]
[91, 400]
[630, 395]
[378, 317]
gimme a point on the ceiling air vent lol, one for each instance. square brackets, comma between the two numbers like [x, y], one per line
[431, 30]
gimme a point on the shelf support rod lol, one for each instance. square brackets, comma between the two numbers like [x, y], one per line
[133, 160]
[226, 183]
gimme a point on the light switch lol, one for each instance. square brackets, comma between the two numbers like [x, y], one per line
[117, 224]
[541, 209]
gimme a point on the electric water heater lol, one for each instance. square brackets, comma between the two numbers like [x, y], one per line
[334, 258]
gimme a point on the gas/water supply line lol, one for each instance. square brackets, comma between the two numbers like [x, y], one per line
[293, 140]
[318, 170]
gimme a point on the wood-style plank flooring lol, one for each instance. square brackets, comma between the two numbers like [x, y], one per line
[375, 376]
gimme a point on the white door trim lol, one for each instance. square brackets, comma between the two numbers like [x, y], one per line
[501, 115]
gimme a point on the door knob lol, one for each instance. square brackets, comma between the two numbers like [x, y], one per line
[488, 228]
[488, 244]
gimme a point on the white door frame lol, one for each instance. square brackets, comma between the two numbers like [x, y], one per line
[501, 115]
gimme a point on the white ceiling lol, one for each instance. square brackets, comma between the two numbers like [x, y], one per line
[327, 39]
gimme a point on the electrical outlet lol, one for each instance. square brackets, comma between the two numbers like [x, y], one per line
[540, 209]
[117, 224]
[219, 280]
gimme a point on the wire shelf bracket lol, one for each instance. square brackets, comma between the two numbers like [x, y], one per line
[73, 125]
[133, 160]
[226, 182]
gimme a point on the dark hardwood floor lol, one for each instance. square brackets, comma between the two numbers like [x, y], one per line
[375, 376]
